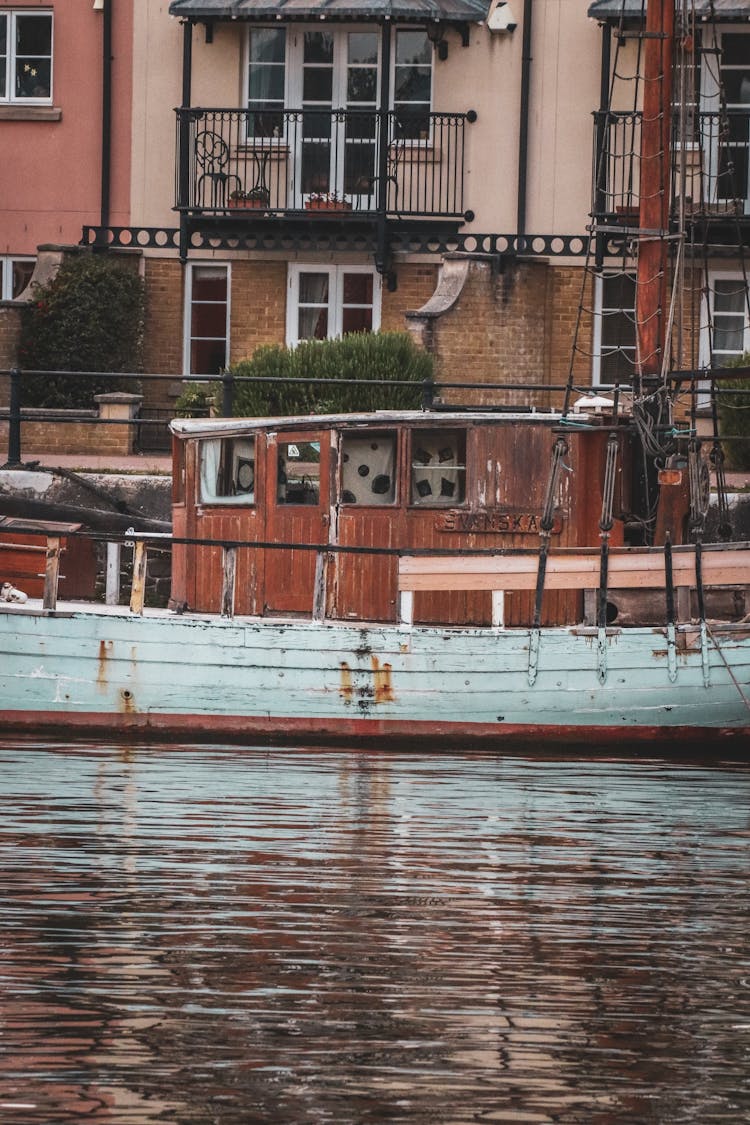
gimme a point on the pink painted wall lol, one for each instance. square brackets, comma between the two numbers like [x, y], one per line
[50, 173]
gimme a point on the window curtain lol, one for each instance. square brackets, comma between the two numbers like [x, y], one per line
[368, 470]
[436, 470]
[210, 459]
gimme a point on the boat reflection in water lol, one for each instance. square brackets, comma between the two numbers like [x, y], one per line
[307, 936]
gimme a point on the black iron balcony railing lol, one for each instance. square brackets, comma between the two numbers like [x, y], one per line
[318, 161]
[710, 170]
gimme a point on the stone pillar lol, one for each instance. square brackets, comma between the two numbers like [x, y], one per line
[117, 407]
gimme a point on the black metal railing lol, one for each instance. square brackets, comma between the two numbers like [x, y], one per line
[319, 161]
[710, 169]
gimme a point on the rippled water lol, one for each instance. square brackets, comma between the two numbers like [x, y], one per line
[238, 936]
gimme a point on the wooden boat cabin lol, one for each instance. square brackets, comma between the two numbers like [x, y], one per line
[304, 489]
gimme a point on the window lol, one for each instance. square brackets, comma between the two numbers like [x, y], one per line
[15, 275]
[730, 318]
[614, 329]
[329, 301]
[207, 320]
[438, 467]
[266, 81]
[412, 84]
[227, 471]
[368, 469]
[314, 74]
[299, 472]
[25, 56]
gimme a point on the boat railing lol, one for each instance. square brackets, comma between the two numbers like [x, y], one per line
[679, 568]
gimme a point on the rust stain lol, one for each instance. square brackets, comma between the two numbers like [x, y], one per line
[346, 688]
[383, 683]
[105, 651]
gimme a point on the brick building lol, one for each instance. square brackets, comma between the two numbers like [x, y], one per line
[301, 170]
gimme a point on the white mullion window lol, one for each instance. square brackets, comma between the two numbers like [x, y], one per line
[207, 319]
[266, 76]
[25, 56]
[614, 329]
[327, 301]
[730, 322]
[411, 83]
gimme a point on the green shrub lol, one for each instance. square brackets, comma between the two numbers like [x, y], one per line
[386, 356]
[89, 317]
[734, 418]
[196, 401]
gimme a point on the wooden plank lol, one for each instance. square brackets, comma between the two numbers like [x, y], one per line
[51, 572]
[571, 572]
[138, 587]
[228, 584]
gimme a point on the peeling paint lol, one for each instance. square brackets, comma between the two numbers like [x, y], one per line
[105, 651]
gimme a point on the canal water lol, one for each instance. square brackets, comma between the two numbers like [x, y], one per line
[247, 935]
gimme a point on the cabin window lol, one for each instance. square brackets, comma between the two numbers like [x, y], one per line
[368, 469]
[298, 480]
[227, 471]
[438, 467]
[614, 329]
[207, 319]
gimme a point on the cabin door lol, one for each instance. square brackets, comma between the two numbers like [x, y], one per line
[298, 513]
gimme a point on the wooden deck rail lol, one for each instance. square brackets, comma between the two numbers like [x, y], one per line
[629, 568]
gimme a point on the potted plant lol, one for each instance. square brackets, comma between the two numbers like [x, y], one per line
[326, 201]
[259, 197]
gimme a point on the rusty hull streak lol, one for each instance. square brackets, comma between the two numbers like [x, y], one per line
[346, 687]
[383, 683]
[105, 651]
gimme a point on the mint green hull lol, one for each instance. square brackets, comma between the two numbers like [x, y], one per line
[201, 676]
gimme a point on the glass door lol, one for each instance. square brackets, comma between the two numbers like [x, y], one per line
[336, 156]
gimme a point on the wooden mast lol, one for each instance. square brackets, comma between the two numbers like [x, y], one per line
[655, 187]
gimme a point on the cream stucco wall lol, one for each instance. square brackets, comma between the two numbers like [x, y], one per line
[485, 76]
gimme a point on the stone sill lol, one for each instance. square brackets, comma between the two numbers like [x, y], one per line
[30, 113]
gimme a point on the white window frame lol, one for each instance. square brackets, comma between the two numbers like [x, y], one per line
[709, 319]
[187, 335]
[711, 102]
[8, 96]
[335, 296]
[599, 308]
[7, 261]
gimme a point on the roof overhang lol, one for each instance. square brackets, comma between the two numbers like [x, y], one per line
[371, 11]
[725, 10]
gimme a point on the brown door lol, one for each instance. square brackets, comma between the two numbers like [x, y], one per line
[298, 516]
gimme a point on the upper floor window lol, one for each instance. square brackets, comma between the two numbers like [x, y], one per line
[328, 301]
[207, 319]
[614, 329]
[25, 56]
[412, 84]
[15, 275]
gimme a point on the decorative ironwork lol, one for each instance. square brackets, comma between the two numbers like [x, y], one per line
[430, 240]
[714, 163]
[321, 163]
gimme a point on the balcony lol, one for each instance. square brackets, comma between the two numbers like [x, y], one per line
[709, 170]
[344, 165]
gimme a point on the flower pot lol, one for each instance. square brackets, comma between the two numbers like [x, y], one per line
[327, 205]
[243, 204]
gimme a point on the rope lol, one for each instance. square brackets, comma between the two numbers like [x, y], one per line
[732, 676]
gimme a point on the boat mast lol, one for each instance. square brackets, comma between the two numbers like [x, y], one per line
[655, 193]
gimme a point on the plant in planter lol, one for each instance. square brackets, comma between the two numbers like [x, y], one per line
[258, 197]
[327, 201]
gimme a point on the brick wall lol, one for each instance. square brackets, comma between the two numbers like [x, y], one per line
[10, 331]
[416, 284]
[258, 306]
[50, 438]
[162, 352]
[511, 323]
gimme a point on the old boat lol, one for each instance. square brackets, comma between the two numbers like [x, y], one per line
[444, 575]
